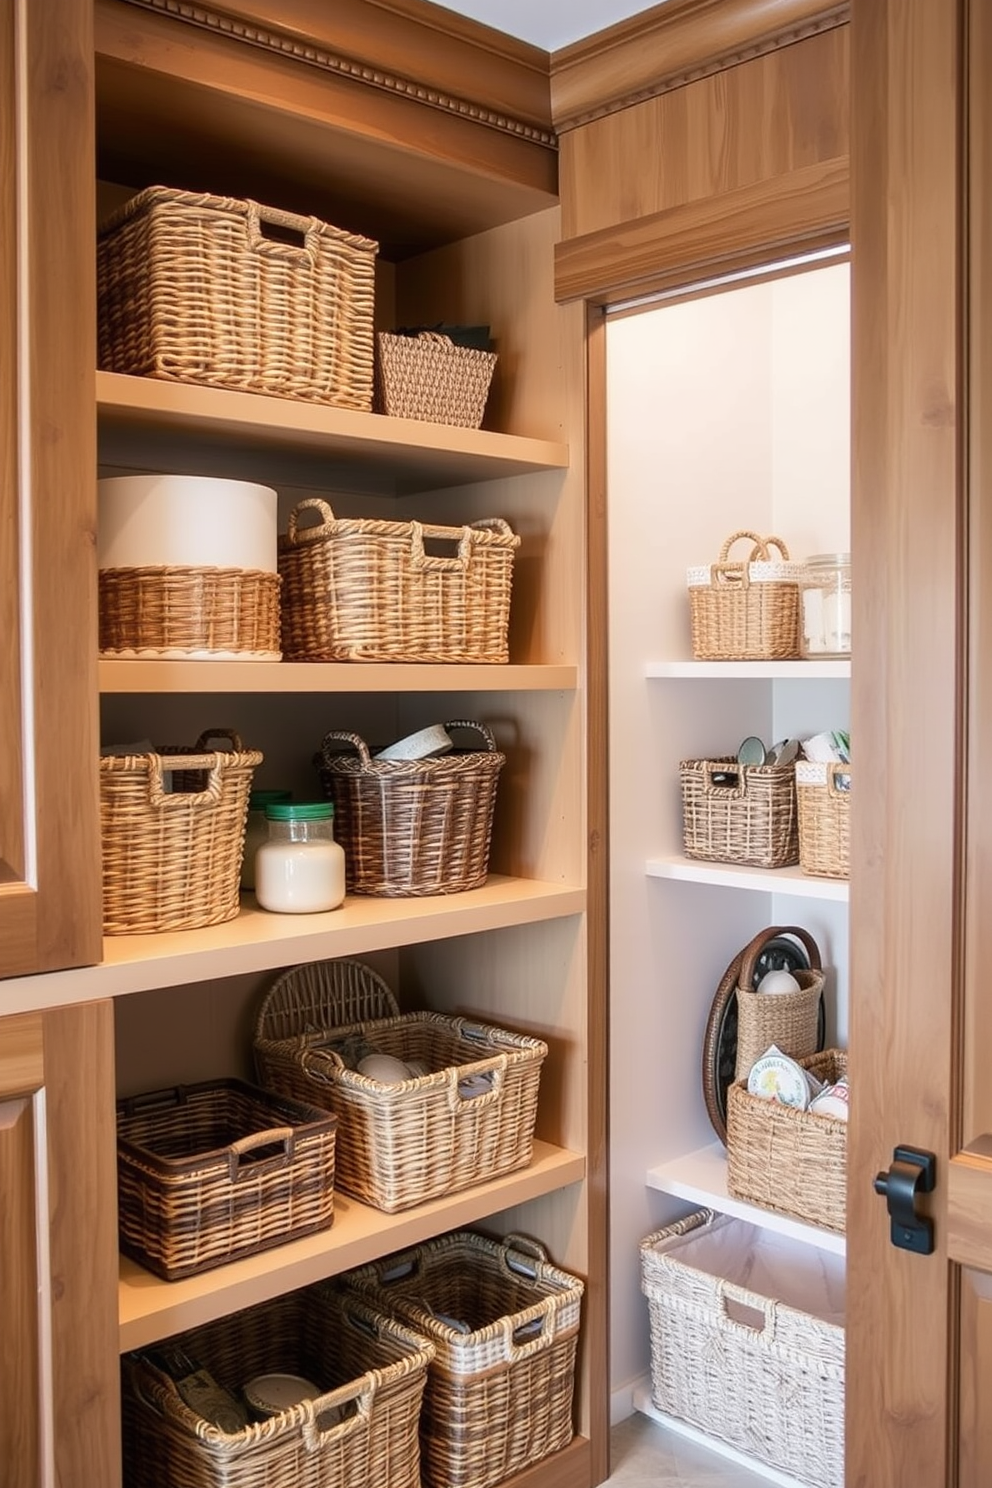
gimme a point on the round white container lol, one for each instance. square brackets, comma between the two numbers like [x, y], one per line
[300, 869]
[186, 521]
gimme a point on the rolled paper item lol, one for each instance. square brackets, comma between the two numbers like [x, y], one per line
[427, 743]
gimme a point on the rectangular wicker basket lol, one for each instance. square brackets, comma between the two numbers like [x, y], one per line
[192, 288]
[504, 1323]
[792, 1161]
[172, 611]
[428, 377]
[823, 793]
[745, 611]
[363, 1428]
[734, 813]
[469, 1118]
[362, 589]
[210, 1172]
[747, 1341]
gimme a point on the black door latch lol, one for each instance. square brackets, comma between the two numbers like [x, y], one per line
[912, 1172]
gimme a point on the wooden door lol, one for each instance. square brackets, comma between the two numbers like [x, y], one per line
[49, 845]
[920, 1326]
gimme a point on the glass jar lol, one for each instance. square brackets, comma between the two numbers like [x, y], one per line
[299, 869]
[257, 830]
[825, 604]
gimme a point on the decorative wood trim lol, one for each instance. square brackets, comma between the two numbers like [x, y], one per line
[969, 1202]
[674, 44]
[799, 212]
[509, 82]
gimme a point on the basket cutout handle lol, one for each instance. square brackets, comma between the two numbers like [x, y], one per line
[165, 800]
[243, 1147]
[480, 728]
[328, 1419]
[463, 539]
[530, 1331]
[838, 778]
[467, 1082]
[400, 1267]
[294, 238]
[714, 787]
[230, 735]
[154, 1100]
[753, 949]
[295, 533]
[744, 1312]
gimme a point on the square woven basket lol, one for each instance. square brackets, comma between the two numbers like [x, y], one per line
[823, 794]
[211, 1172]
[193, 288]
[172, 611]
[733, 813]
[362, 1429]
[428, 377]
[358, 589]
[745, 610]
[747, 1341]
[504, 1323]
[469, 1118]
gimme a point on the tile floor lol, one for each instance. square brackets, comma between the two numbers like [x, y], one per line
[645, 1455]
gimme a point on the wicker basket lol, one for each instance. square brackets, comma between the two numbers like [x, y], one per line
[362, 1430]
[499, 1395]
[207, 1173]
[192, 290]
[790, 1020]
[747, 1341]
[172, 859]
[428, 377]
[792, 1161]
[412, 827]
[734, 813]
[823, 792]
[746, 611]
[230, 613]
[368, 590]
[471, 1117]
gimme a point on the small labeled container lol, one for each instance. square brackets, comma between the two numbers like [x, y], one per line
[299, 869]
[825, 606]
[257, 829]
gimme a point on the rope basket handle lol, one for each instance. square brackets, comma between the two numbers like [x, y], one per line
[284, 1135]
[342, 736]
[306, 534]
[724, 767]
[759, 550]
[753, 949]
[738, 573]
[164, 800]
[480, 728]
[522, 1245]
[309, 229]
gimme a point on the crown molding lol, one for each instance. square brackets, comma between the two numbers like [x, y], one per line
[673, 44]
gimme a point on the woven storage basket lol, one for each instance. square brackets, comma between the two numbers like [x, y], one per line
[734, 813]
[428, 377]
[823, 793]
[176, 612]
[412, 827]
[792, 1161]
[172, 859]
[499, 1396]
[367, 590]
[361, 1431]
[191, 289]
[790, 1020]
[747, 1341]
[471, 1117]
[207, 1173]
[746, 611]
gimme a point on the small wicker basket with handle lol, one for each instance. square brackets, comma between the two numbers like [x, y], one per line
[428, 377]
[746, 610]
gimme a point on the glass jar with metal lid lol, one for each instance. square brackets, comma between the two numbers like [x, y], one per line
[825, 604]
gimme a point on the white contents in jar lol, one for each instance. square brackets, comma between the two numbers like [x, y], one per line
[300, 869]
[825, 589]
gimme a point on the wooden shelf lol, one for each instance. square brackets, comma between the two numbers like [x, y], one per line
[151, 1309]
[722, 670]
[701, 1177]
[346, 677]
[257, 941]
[761, 880]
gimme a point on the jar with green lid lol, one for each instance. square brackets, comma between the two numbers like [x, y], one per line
[299, 868]
[256, 829]
[825, 604]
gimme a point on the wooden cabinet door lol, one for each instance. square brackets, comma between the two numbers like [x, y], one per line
[49, 842]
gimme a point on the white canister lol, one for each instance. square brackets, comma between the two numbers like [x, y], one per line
[186, 521]
[257, 829]
[299, 869]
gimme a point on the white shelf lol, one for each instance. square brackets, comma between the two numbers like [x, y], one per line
[805, 670]
[761, 880]
[701, 1177]
[646, 1407]
[346, 677]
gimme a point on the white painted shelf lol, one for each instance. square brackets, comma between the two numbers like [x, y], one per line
[346, 677]
[701, 1177]
[761, 880]
[722, 670]
[644, 1404]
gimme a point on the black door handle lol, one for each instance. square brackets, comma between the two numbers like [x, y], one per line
[912, 1172]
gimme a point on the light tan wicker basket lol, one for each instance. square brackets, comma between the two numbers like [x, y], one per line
[368, 590]
[747, 1341]
[363, 1428]
[792, 1161]
[790, 1020]
[746, 611]
[176, 612]
[504, 1323]
[734, 813]
[823, 792]
[172, 858]
[191, 289]
[412, 827]
[428, 377]
[210, 1172]
[471, 1117]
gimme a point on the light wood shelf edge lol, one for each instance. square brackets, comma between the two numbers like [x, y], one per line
[153, 676]
[151, 1309]
[761, 880]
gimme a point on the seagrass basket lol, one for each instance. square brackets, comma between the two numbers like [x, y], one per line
[172, 611]
[745, 610]
[362, 1429]
[211, 1172]
[412, 827]
[790, 1020]
[504, 1323]
[428, 377]
[191, 288]
[363, 589]
[823, 793]
[172, 857]
[470, 1117]
[747, 1341]
[792, 1161]
[733, 813]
